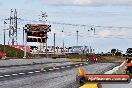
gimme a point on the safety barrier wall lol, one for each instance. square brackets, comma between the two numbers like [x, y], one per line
[118, 69]
[17, 62]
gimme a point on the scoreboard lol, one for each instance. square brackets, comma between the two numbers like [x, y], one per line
[38, 27]
[37, 32]
[37, 40]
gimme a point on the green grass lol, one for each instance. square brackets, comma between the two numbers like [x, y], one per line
[105, 59]
[77, 57]
[111, 59]
[74, 60]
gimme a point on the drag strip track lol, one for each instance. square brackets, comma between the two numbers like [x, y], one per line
[11, 75]
[58, 78]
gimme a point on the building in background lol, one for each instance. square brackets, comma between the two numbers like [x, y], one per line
[80, 49]
[59, 50]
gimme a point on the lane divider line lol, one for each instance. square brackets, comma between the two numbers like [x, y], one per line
[7, 75]
[62, 67]
[21, 73]
[37, 71]
[14, 74]
[81, 64]
[1, 76]
[30, 72]
[50, 69]
[76, 65]
[68, 66]
[57, 68]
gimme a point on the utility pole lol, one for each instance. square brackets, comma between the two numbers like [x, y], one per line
[13, 27]
[77, 37]
[25, 43]
[4, 35]
[63, 47]
[46, 48]
[63, 43]
[23, 36]
[54, 44]
[90, 50]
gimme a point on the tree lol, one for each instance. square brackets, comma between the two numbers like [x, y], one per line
[118, 53]
[113, 51]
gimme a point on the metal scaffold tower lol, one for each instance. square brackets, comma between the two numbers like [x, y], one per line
[43, 20]
[13, 28]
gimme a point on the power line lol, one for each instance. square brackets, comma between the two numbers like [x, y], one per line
[82, 25]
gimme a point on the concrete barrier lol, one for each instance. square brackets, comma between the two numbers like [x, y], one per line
[19, 62]
[118, 69]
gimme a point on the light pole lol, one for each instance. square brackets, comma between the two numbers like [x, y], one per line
[54, 44]
[77, 37]
[91, 29]
[25, 42]
[23, 36]
[63, 43]
[4, 35]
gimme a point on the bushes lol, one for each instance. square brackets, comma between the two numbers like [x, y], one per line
[118, 54]
[13, 52]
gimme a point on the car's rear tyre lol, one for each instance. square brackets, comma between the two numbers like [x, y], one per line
[81, 80]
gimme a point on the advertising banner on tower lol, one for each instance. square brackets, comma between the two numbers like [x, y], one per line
[21, 47]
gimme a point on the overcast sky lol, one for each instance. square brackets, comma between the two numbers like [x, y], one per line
[94, 13]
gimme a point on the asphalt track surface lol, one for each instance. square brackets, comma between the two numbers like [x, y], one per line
[63, 76]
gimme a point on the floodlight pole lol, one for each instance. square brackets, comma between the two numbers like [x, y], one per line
[46, 48]
[4, 35]
[23, 36]
[63, 43]
[25, 43]
[77, 37]
[54, 44]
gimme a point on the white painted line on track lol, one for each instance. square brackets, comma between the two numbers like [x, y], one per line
[14, 74]
[7, 75]
[57, 68]
[68, 66]
[81, 64]
[21, 73]
[37, 71]
[30, 72]
[76, 65]
[1, 76]
[62, 67]
[50, 69]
